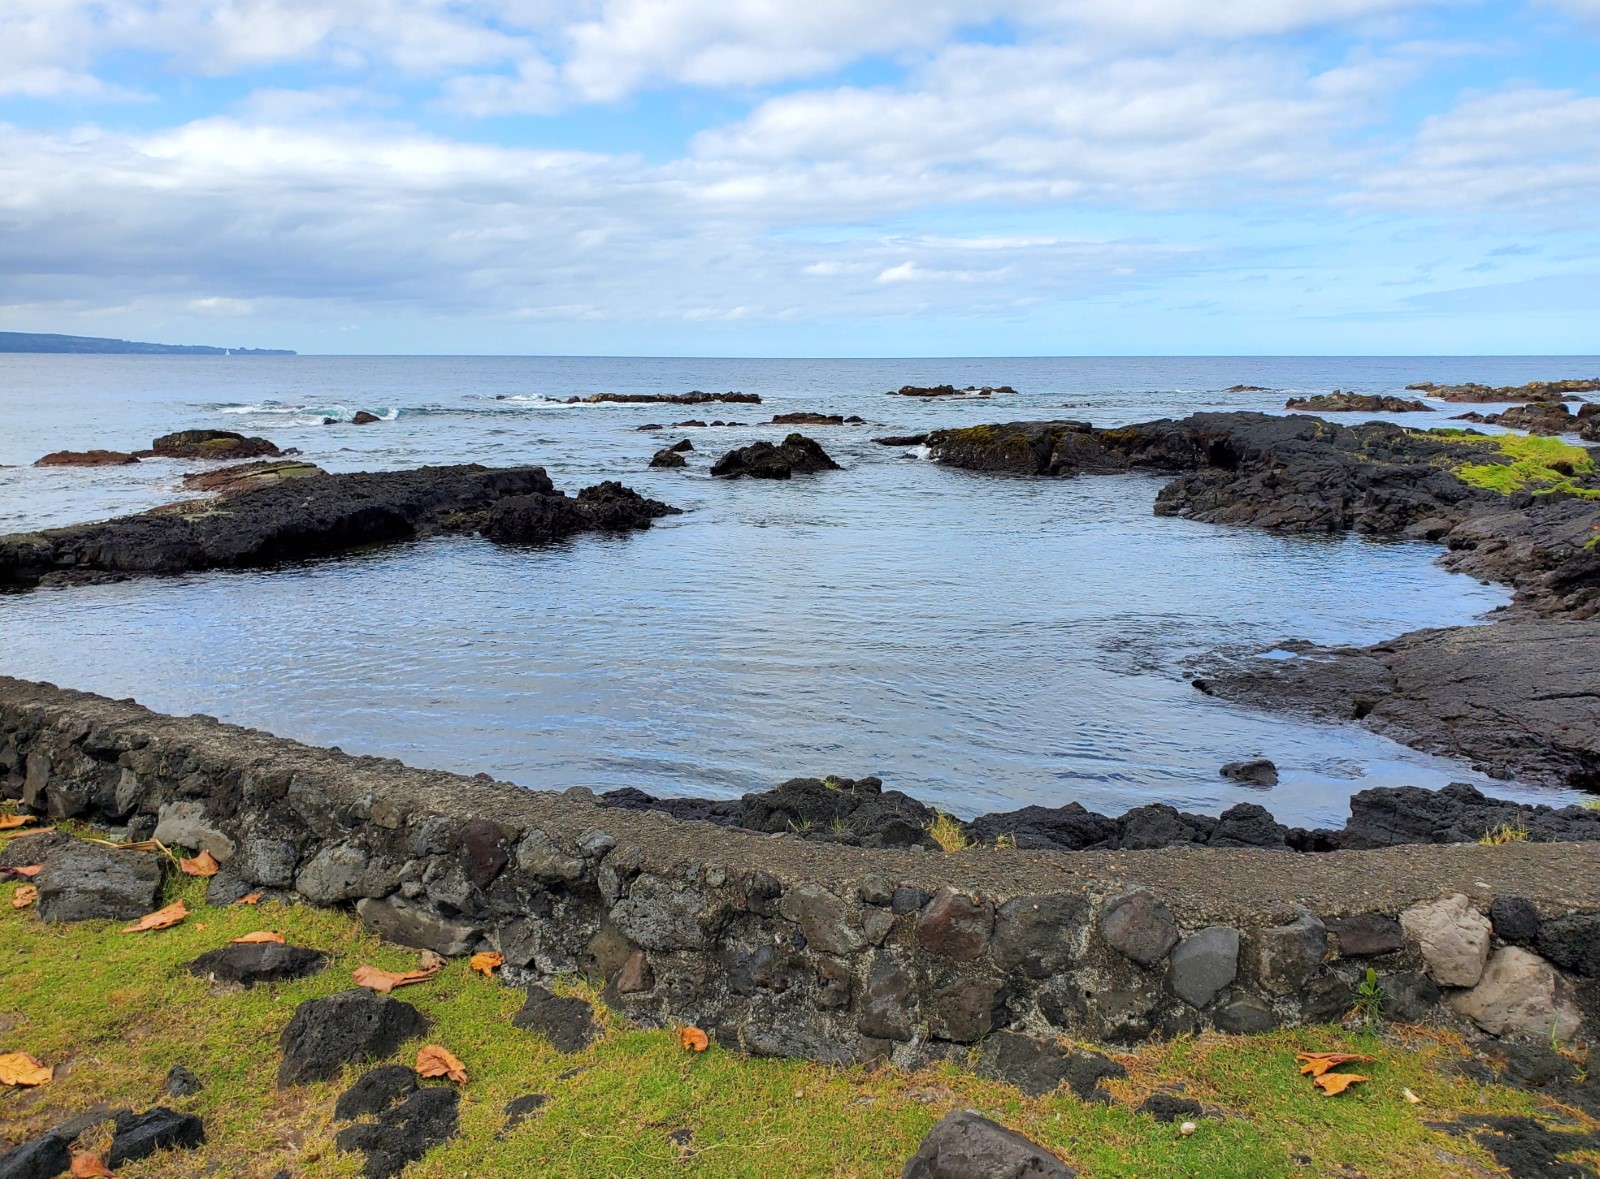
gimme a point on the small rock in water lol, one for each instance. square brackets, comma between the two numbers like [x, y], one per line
[363, 418]
[1256, 772]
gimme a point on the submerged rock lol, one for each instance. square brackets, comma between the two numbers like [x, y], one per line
[87, 458]
[763, 460]
[1256, 772]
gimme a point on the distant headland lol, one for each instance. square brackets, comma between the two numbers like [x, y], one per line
[48, 342]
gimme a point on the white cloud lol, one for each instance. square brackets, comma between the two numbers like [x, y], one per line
[1526, 153]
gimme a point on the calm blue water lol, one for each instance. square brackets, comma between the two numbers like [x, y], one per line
[980, 642]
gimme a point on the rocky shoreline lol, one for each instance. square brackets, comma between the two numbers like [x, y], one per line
[319, 515]
[1519, 697]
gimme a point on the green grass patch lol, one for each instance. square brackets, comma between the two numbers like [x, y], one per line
[114, 1012]
[1528, 462]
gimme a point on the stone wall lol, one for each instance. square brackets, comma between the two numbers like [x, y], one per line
[782, 946]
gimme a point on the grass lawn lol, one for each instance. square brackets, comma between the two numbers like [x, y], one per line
[113, 1012]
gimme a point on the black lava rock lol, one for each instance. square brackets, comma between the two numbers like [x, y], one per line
[1164, 1107]
[181, 1082]
[568, 1023]
[253, 963]
[403, 1133]
[1258, 772]
[139, 1135]
[84, 881]
[351, 1026]
[375, 1092]
[1515, 920]
[966, 1145]
[797, 454]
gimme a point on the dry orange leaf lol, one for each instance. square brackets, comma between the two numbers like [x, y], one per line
[434, 1061]
[18, 1068]
[693, 1039]
[86, 1165]
[8, 822]
[24, 896]
[249, 898]
[28, 870]
[204, 864]
[487, 962]
[1332, 1083]
[384, 981]
[160, 919]
[1317, 1063]
[259, 937]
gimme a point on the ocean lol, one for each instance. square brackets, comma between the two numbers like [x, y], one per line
[980, 642]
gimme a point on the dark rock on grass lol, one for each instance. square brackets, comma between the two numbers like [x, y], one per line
[403, 1133]
[1342, 402]
[87, 458]
[1164, 1107]
[1529, 1150]
[26, 850]
[902, 440]
[271, 525]
[138, 1136]
[520, 1109]
[668, 457]
[1516, 920]
[967, 1145]
[253, 963]
[345, 1028]
[568, 1023]
[540, 519]
[364, 418]
[1038, 1067]
[1256, 772]
[181, 1082]
[43, 1157]
[84, 881]
[763, 460]
[375, 1092]
[212, 444]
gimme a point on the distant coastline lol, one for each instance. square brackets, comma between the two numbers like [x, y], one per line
[96, 345]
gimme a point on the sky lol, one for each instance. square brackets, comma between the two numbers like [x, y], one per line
[805, 177]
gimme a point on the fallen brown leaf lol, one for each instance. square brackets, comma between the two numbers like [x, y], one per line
[28, 870]
[160, 919]
[430, 960]
[1317, 1063]
[18, 1068]
[86, 1165]
[384, 981]
[10, 822]
[259, 937]
[434, 1061]
[692, 1039]
[1333, 1083]
[249, 898]
[487, 962]
[204, 864]
[24, 896]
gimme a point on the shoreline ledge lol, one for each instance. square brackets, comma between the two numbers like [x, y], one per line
[1519, 697]
[783, 947]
